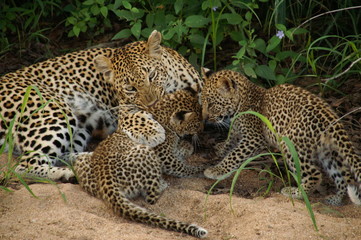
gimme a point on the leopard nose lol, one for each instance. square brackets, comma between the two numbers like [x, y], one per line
[204, 114]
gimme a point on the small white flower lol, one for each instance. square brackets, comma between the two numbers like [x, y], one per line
[280, 34]
[214, 8]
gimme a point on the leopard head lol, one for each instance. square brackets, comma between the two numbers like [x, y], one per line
[135, 68]
[223, 95]
[180, 112]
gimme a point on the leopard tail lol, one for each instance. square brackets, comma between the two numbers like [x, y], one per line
[131, 211]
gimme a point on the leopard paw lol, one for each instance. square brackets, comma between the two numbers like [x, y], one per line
[215, 172]
[292, 192]
[142, 128]
[58, 174]
[163, 185]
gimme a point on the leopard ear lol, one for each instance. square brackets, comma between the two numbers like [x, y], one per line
[104, 66]
[179, 117]
[226, 86]
[206, 73]
[153, 44]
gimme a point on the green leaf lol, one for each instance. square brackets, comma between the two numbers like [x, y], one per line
[280, 79]
[285, 54]
[122, 34]
[104, 11]
[134, 10]
[248, 70]
[178, 5]
[297, 30]
[146, 32]
[168, 35]
[88, 2]
[236, 36]
[124, 14]
[94, 10]
[71, 20]
[260, 45]
[272, 64]
[294, 31]
[240, 53]
[273, 43]
[127, 5]
[281, 27]
[232, 18]
[100, 2]
[248, 16]
[149, 20]
[76, 30]
[196, 21]
[117, 4]
[197, 39]
[136, 29]
[265, 72]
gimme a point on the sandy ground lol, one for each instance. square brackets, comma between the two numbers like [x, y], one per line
[64, 211]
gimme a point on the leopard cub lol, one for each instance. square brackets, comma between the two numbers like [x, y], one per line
[120, 169]
[319, 137]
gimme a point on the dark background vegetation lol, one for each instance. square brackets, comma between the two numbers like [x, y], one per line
[320, 50]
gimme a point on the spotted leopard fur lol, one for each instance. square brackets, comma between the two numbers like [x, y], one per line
[319, 137]
[56, 106]
[120, 169]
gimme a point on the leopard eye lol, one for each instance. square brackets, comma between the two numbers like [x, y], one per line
[210, 105]
[130, 88]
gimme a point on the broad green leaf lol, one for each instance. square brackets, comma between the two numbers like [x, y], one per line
[196, 21]
[241, 52]
[273, 43]
[127, 5]
[125, 14]
[237, 36]
[94, 10]
[88, 2]
[281, 27]
[117, 4]
[196, 38]
[122, 34]
[146, 32]
[71, 20]
[232, 18]
[260, 45]
[136, 29]
[168, 35]
[248, 16]
[280, 79]
[149, 20]
[265, 72]
[285, 54]
[100, 2]
[297, 30]
[178, 5]
[76, 30]
[134, 10]
[248, 70]
[272, 64]
[104, 11]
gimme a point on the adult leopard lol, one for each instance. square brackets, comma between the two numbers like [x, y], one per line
[54, 107]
